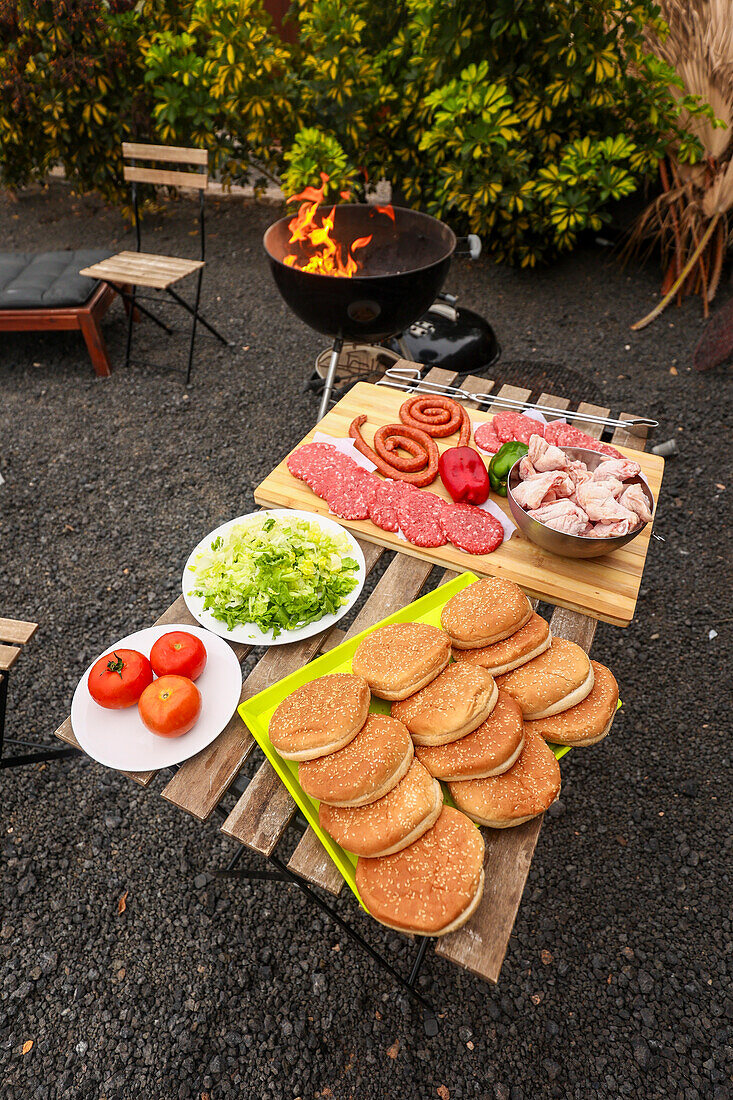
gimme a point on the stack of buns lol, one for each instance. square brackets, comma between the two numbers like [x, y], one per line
[480, 723]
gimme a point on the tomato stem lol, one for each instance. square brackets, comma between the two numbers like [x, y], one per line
[115, 666]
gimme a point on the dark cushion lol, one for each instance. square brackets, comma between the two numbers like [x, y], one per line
[47, 280]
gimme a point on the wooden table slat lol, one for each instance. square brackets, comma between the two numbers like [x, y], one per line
[199, 784]
[624, 438]
[263, 813]
[480, 946]
[16, 631]
[9, 654]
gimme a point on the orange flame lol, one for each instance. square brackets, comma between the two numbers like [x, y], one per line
[314, 235]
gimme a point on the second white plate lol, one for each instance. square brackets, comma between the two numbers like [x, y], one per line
[248, 632]
[118, 739]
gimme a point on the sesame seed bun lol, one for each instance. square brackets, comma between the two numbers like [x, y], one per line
[558, 679]
[431, 887]
[365, 770]
[485, 612]
[320, 717]
[526, 643]
[452, 705]
[524, 792]
[588, 722]
[491, 749]
[399, 659]
[391, 823]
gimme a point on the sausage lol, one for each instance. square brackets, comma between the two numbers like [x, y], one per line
[438, 416]
[419, 469]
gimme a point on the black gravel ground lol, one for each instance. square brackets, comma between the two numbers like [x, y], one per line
[617, 979]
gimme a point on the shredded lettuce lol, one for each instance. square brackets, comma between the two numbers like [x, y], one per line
[279, 574]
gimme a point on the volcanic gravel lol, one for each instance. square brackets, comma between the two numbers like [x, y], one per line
[617, 980]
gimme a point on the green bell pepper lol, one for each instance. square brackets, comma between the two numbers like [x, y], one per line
[502, 463]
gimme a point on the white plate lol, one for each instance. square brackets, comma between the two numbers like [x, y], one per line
[118, 739]
[248, 632]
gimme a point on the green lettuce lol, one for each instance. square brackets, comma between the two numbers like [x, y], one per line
[279, 574]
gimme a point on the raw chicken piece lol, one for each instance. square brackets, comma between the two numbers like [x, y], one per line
[635, 499]
[564, 485]
[621, 468]
[528, 494]
[544, 456]
[607, 530]
[526, 469]
[548, 498]
[595, 498]
[578, 471]
[562, 516]
[614, 486]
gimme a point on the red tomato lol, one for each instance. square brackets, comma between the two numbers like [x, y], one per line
[170, 706]
[118, 679]
[178, 653]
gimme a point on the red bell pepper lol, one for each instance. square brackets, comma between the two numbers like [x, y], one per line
[464, 475]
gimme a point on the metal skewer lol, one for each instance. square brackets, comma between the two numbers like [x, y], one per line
[408, 379]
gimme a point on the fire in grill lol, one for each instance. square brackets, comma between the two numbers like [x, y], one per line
[357, 272]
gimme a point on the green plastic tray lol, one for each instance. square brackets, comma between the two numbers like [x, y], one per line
[257, 712]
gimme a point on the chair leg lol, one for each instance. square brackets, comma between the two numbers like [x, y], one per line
[91, 330]
[193, 325]
[182, 302]
[124, 293]
[130, 317]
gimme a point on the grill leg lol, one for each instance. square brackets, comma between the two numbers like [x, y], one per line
[328, 384]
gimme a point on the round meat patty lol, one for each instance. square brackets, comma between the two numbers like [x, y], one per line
[319, 465]
[566, 435]
[419, 514]
[486, 438]
[510, 425]
[383, 507]
[471, 529]
[351, 492]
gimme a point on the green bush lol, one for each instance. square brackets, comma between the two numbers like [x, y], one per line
[224, 80]
[520, 120]
[71, 75]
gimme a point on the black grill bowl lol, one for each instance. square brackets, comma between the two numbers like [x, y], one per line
[403, 269]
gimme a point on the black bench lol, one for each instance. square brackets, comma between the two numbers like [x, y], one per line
[41, 291]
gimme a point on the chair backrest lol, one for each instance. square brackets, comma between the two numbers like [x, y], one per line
[166, 154]
[133, 151]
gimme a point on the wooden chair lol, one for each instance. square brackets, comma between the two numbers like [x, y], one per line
[149, 269]
[13, 634]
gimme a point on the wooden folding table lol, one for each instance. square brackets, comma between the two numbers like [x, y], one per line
[263, 812]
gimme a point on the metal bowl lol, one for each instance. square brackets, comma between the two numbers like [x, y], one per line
[571, 546]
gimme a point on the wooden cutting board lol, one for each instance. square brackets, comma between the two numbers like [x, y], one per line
[606, 588]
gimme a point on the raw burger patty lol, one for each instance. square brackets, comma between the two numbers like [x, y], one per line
[472, 529]
[319, 465]
[510, 425]
[419, 515]
[486, 438]
[383, 506]
[351, 493]
[565, 435]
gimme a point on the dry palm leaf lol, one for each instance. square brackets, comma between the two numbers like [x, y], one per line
[689, 220]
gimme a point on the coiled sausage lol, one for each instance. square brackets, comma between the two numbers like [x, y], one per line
[418, 467]
[438, 416]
